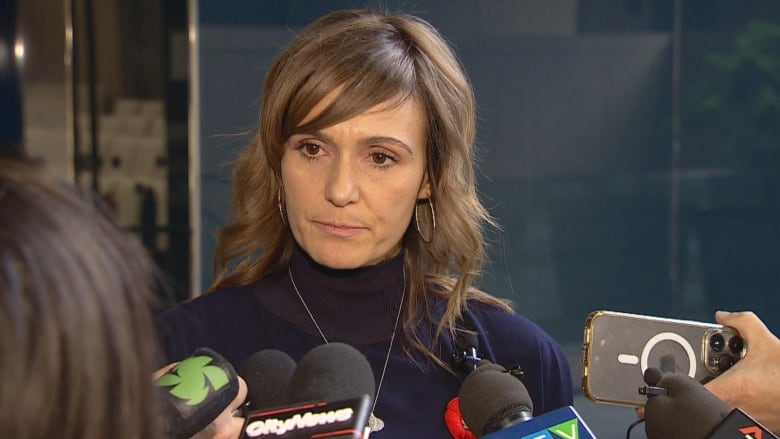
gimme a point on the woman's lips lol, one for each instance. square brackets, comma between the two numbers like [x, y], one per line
[341, 230]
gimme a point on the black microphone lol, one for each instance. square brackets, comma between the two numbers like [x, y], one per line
[194, 392]
[329, 395]
[678, 406]
[740, 425]
[495, 404]
[267, 374]
[332, 371]
[465, 357]
[491, 399]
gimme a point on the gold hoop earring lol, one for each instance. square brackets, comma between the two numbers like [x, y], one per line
[279, 203]
[433, 220]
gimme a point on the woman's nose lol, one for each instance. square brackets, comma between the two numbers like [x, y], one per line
[341, 188]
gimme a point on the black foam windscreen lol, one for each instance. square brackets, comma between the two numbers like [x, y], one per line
[652, 375]
[331, 372]
[491, 398]
[466, 339]
[267, 374]
[687, 410]
[485, 365]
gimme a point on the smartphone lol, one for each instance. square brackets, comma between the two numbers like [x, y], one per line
[618, 348]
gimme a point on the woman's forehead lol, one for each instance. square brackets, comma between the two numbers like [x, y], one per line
[327, 102]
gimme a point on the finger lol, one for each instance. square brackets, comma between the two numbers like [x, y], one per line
[163, 370]
[241, 395]
[749, 326]
[718, 386]
[229, 426]
[224, 427]
[235, 428]
[726, 386]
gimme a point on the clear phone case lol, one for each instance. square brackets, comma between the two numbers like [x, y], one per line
[619, 347]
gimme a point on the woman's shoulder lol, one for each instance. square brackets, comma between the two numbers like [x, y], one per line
[225, 300]
[506, 330]
[214, 303]
[511, 339]
[494, 316]
[215, 319]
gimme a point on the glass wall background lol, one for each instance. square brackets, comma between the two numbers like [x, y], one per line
[629, 148]
[99, 91]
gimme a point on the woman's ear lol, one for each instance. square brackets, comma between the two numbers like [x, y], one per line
[425, 188]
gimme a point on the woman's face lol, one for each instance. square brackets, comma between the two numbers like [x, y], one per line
[350, 189]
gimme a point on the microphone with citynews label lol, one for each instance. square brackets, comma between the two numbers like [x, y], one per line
[328, 396]
[194, 392]
[496, 405]
[680, 407]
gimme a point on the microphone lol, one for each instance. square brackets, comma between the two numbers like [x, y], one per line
[329, 395]
[194, 392]
[465, 356]
[495, 405]
[678, 406]
[267, 374]
[331, 371]
[740, 425]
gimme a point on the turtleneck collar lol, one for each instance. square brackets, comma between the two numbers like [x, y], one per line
[357, 306]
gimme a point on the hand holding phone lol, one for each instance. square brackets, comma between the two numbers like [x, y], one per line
[619, 347]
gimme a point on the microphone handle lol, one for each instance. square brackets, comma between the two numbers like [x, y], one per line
[518, 418]
[344, 419]
[564, 422]
[186, 409]
[740, 425]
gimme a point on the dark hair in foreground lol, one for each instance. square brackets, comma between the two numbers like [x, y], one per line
[76, 333]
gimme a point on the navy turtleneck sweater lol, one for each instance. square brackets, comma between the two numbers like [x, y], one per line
[359, 307]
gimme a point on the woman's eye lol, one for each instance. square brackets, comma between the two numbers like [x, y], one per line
[310, 149]
[380, 158]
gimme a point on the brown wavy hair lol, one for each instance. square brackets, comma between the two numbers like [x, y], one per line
[76, 296]
[375, 58]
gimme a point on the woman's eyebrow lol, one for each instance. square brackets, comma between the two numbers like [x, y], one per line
[388, 139]
[369, 140]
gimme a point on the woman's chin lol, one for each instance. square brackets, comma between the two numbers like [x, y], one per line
[344, 258]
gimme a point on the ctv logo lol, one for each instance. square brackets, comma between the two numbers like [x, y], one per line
[751, 432]
[565, 430]
[193, 378]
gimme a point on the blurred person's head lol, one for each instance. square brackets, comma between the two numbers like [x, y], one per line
[13, 151]
[76, 334]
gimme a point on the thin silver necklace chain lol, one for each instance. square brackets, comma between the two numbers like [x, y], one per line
[375, 423]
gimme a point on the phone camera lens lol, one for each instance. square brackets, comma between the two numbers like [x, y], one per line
[736, 345]
[717, 342]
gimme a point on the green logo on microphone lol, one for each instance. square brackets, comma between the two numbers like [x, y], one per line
[188, 379]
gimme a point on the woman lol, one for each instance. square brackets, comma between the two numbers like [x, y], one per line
[75, 316]
[355, 218]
